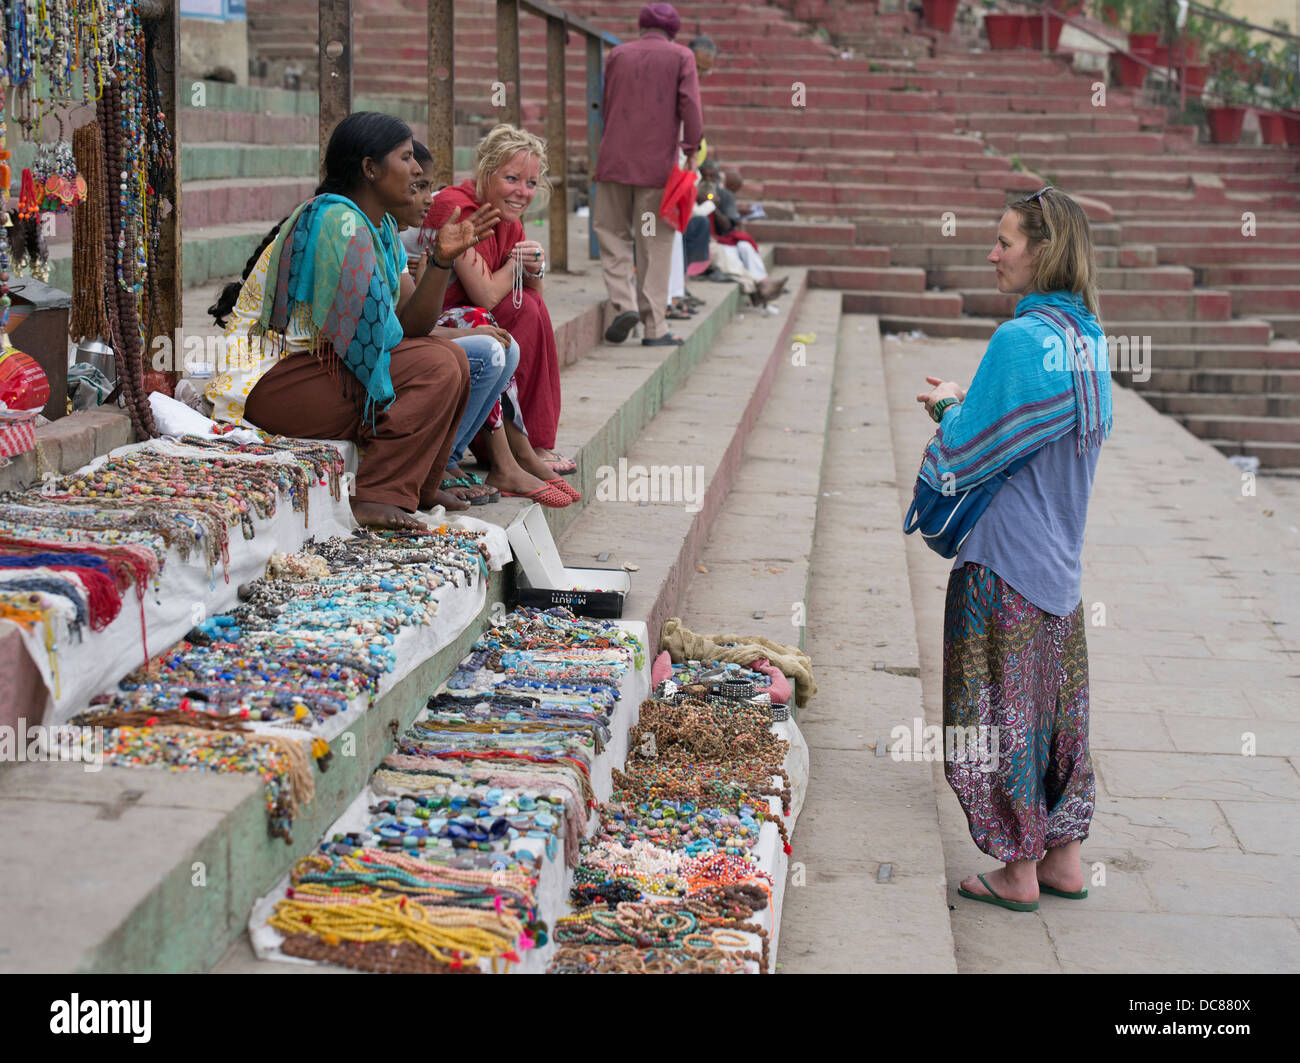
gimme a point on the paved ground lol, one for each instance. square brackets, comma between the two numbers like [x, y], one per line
[1192, 588]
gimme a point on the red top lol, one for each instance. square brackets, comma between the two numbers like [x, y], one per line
[651, 93]
[495, 246]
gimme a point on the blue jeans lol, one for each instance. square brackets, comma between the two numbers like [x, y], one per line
[490, 368]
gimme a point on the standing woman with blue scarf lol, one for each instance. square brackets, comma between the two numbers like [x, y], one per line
[330, 336]
[1015, 662]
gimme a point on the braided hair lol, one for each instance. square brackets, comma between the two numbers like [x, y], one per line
[229, 294]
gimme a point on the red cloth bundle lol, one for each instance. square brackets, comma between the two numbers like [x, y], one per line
[679, 198]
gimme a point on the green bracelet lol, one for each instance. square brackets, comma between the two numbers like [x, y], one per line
[937, 410]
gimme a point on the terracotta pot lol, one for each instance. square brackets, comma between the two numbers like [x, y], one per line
[940, 14]
[1054, 27]
[1005, 31]
[1272, 127]
[1196, 77]
[1291, 126]
[1128, 72]
[1160, 55]
[1225, 123]
[1143, 44]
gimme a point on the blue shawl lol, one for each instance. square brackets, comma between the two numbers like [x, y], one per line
[330, 257]
[1034, 385]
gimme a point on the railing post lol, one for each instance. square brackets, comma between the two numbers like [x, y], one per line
[557, 142]
[595, 127]
[442, 97]
[508, 60]
[335, 35]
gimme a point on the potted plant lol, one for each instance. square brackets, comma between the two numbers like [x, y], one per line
[1054, 26]
[939, 14]
[1231, 99]
[1286, 98]
[1143, 27]
[1004, 29]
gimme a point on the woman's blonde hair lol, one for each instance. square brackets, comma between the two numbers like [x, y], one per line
[501, 145]
[1060, 239]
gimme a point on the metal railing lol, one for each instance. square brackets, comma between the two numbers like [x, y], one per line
[336, 78]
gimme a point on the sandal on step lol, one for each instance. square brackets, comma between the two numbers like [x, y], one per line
[462, 482]
[1081, 895]
[546, 496]
[561, 484]
[559, 464]
[993, 898]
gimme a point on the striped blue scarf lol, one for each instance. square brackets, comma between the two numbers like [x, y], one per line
[1033, 386]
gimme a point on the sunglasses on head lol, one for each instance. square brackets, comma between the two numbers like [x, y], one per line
[1039, 194]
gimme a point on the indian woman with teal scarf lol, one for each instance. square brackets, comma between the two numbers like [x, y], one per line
[331, 294]
[1015, 662]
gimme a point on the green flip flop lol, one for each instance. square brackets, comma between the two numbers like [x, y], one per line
[993, 898]
[1061, 893]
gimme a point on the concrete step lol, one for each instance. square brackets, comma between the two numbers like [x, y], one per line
[969, 256]
[1121, 305]
[1156, 278]
[810, 255]
[1273, 230]
[1232, 276]
[1241, 251]
[1175, 357]
[703, 427]
[228, 200]
[1284, 325]
[204, 162]
[851, 199]
[1272, 455]
[1243, 428]
[901, 279]
[966, 228]
[1265, 300]
[1258, 383]
[941, 305]
[783, 463]
[1218, 404]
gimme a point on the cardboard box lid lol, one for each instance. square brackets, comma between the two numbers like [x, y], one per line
[535, 550]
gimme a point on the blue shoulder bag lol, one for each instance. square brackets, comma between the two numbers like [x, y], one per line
[946, 518]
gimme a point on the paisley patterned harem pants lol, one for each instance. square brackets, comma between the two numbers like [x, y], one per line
[1017, 677]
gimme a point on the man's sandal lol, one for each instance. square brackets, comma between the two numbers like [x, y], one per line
[993, 898]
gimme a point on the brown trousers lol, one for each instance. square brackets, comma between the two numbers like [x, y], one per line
[408, 444]
[621, 223]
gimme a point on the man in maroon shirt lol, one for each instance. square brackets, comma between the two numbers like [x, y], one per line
[651, 108]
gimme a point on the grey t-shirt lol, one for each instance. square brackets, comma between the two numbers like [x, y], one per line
[1031, 535]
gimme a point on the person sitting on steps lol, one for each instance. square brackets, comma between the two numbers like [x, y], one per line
[322, 349]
